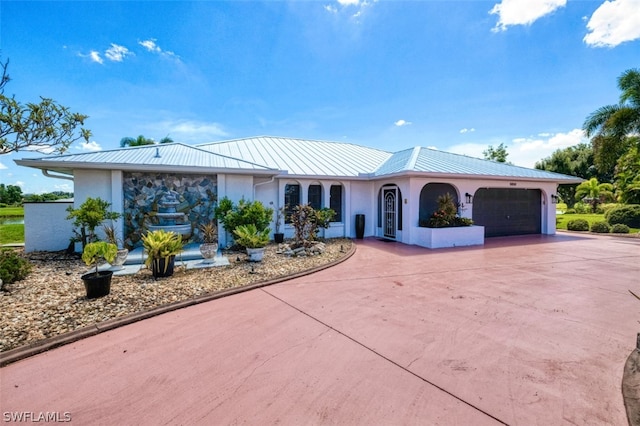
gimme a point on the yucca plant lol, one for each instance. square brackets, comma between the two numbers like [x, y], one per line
[248, 236]
[161, 245]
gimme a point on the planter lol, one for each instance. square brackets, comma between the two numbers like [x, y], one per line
[255, 254]
[162, 267]
[209, 251]
[97, 285]
[449, 237]
[278, 237]
[121, 257]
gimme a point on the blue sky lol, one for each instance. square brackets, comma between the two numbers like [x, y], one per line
[455, 75]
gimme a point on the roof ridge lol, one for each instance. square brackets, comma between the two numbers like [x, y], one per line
[295, 139]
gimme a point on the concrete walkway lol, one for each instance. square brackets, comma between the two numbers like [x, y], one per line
[523, 331]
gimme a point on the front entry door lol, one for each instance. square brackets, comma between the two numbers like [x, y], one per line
[389, 214]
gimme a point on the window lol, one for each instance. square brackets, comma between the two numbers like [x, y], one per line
[291, 200]
[335, 201]
[315, 196]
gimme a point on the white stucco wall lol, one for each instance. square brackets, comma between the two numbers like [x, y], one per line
[46, 227]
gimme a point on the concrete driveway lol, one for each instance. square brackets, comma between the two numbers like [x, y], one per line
[523, 331]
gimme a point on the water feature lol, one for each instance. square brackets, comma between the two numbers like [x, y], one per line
[12, 220]
[169, 219]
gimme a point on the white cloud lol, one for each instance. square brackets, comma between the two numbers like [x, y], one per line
[331, 9]
[527, 151]
[189, 130]
[20, 183]
[117, 53]
[355, 8]
[465, 130]
[518, 12]
[95, 57]
[2, 166]
[401, 123]
[90, 146]
[151, 46]
[613, 23]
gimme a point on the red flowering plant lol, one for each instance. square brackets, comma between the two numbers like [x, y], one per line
[447, 214]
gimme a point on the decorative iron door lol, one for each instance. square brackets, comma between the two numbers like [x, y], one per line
[389, 213]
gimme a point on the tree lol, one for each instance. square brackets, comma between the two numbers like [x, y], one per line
[141, 140]
[627, 181]
[10, 194]
[498, 154]
[574, 161]
[594, 192]
[43, 127]
[612, 125]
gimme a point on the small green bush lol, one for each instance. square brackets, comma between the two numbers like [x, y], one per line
[570, 211]
[628, 214]
[601, 227]
[13, 267]
[619, 228]
[578, 225]
[604, 208]
[582, 208]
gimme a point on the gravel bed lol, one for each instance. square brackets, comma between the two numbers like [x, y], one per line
[51, 300]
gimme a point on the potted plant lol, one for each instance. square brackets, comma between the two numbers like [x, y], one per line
[98, 283]
[112, 238]
[278, 236]
[249, 237]
[209, 246]
[161, 247]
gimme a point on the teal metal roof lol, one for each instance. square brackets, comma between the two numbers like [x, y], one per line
[173, 155]
[434, 162]
[294, 157]
[303, 157]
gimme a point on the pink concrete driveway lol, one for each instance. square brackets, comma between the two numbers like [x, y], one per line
[523, 331]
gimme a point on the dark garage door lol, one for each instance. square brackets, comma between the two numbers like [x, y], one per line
[506, 211]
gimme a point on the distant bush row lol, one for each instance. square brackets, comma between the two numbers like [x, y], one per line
[601, 227]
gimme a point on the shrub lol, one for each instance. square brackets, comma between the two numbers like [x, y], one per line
[600, 227]
[578, 225]
[628, 214]
[570, 211]
[13, 267]
[582, 208]
[244, 213]
[619, 228]
[604, 208]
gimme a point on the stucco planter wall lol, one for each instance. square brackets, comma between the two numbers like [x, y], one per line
[449, 237]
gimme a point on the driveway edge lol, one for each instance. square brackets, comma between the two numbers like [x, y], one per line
[35, 348]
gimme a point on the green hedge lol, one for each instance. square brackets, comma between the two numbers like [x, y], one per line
[578, 225]
[13, 267]
[628, 214]
[601, 227]
[619, 228]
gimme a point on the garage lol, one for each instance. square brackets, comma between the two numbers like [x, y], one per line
[508, 211]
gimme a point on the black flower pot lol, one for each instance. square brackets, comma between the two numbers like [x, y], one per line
[97, 285]
[163, 266]
[278, 237]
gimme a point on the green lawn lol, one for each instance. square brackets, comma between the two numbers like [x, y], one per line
[562, 220]
[11, 211]
[10, 234]
[13, 233]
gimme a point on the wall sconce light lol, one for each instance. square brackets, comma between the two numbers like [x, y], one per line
[554, 199]
[468, 197]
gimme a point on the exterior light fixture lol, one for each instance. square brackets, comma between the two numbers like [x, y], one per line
[554, 199]
[468, 197]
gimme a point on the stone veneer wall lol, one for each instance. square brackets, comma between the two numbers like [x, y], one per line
[197, 194]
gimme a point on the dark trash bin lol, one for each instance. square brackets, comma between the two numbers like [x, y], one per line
[359, 226]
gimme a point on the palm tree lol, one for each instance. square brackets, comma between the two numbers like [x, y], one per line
[594, 192]
[139, 141]
[612, 125]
